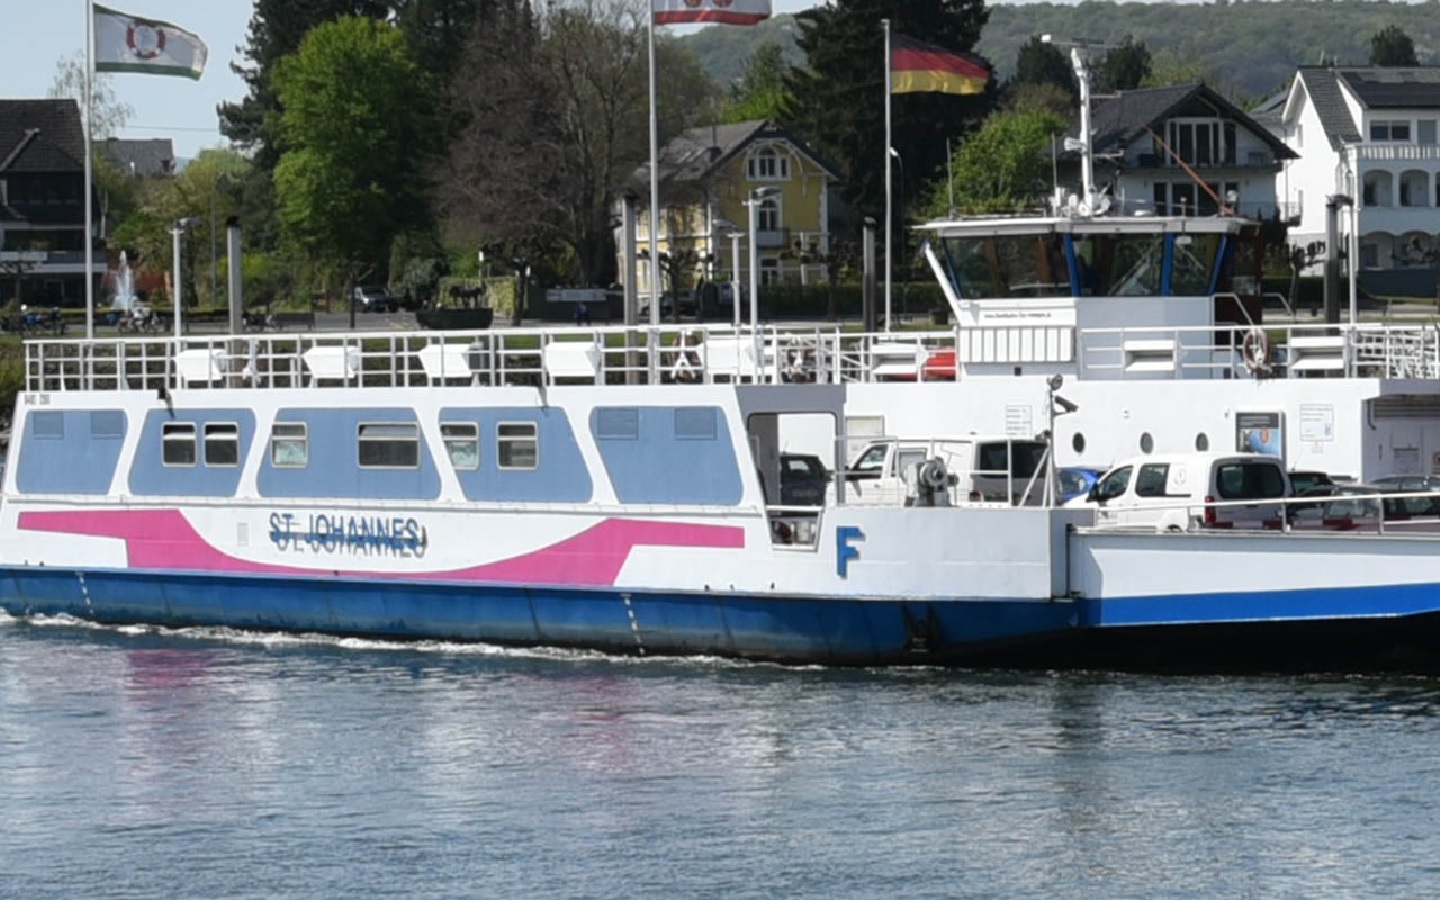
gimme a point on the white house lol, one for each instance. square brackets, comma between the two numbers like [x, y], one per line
[1185, 150]
[1368, 136]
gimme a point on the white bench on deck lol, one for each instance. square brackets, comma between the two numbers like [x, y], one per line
[1156, 355]
[572, 359]
[1317, 353]
[444, 362]
[202, 365]
[897, 360]
[332, 363]
[732, 357]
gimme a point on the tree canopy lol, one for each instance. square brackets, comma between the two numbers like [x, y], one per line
[353, 138]
[1004, 166]
[837, 100]
[1391, 46]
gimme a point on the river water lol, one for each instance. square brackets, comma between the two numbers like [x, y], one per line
[136, 763]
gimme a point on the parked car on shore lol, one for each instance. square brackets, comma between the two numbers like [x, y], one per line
[374, 298]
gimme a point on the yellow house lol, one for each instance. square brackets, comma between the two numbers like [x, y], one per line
[709, 179]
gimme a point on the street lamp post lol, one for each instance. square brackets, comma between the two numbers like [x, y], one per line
[176, 233]
[728, 229]
[757, 196]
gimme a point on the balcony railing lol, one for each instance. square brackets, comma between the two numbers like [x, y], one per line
[1398, 153]
[773, 238]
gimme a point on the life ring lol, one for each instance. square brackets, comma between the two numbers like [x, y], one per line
[1256, 350]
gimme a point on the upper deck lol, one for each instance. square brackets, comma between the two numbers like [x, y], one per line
[706, 354]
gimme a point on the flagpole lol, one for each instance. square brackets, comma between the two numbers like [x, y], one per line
[85, 113]
[889, 242]
[654, 185]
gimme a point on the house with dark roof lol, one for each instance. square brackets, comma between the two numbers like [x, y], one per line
[1369, 135]
[1185, 150]
[42, 216]
[139, 158]
[707, 175]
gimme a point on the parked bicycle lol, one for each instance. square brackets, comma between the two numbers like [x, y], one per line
[139, 320]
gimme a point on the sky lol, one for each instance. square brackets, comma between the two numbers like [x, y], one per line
[39, 33]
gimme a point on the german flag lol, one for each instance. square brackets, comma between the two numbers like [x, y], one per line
[917, 66]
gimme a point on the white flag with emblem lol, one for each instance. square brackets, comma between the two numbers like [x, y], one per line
[125, 43]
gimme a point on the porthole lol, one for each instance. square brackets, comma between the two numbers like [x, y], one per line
[1147, 443]
[1202, 442]
[1077, 442]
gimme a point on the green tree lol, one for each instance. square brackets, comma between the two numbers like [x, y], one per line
[353, 128]
[276, 30]
[1039, 62]
[837, 101]
[760, 91]
[1391, 46]
[1002, 167]
[1124, 68]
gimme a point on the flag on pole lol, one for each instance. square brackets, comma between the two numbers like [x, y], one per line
[718, 12]
[918, 66]
[125, 43]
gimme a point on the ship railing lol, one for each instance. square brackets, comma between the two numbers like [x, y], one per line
[1410, 513]
[1289, 350]
[679, 354]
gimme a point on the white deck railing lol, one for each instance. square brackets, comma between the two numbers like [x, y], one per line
[823, 354]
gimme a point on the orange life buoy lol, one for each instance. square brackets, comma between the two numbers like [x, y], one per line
[1256, 350]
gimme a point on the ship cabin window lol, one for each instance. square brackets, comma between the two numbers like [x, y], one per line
[1009, 266]
[462, 444]
[517, 445]
[1193, 264]
[222, 444]
[289, 445]
[177, 443]
[389, 445]
[1121, 265]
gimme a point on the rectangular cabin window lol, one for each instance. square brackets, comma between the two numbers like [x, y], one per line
[389, 445]
[696, 424]
[617, 423]
[107, 423]
[177, 442]
[517, 445]
[289, 445]
[49, 426]
[222, 444]
[462, 444]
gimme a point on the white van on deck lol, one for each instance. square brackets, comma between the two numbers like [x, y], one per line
[1178, 492]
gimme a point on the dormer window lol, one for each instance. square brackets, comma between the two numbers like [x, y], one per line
[766, 164]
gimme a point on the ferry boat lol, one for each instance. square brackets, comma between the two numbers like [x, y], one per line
[621, 489]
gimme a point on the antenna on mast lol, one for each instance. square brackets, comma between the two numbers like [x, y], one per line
[1080, 61]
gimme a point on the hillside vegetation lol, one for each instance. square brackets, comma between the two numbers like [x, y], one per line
[1251, 48]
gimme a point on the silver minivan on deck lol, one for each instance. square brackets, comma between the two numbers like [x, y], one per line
[1190, 491]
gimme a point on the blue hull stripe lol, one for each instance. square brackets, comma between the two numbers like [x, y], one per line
[774, 627]
[1370, 601]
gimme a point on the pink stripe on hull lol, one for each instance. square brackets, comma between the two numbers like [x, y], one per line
[165, 539]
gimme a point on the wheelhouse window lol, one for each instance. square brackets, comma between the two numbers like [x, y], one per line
[1123, 265]
[1193, 264]
[1009, 266]
[177, 443]
[222, 444]
[462, 443]
[517, 445]
[289, 445]
[389, 445]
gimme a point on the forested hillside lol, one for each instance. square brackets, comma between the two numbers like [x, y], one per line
[1248, 48]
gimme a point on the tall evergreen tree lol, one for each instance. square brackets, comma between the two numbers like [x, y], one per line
[1039, 62]
[837, 101]
[1124, 68]
[1391, 46]
[276, 30]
